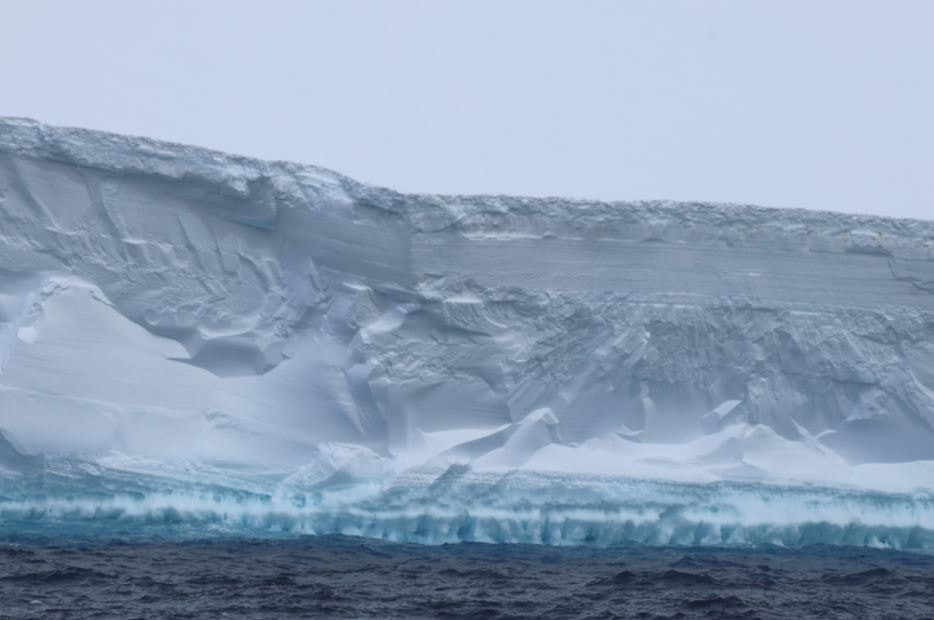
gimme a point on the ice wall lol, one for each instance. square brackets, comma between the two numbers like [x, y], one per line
[166, 304]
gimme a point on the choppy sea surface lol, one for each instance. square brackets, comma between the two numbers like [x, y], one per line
[346, 577]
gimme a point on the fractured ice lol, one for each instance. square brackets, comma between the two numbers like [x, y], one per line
[199, 338]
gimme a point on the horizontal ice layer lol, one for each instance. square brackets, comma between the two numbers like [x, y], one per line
[461, 505]
[169, 309]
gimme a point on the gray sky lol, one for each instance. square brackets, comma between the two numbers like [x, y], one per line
[823, 105]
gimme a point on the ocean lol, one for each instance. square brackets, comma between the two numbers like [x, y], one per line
[347, 577]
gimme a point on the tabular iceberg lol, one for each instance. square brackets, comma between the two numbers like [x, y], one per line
[195, 339]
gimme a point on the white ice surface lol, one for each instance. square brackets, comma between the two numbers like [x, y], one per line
[189, 314]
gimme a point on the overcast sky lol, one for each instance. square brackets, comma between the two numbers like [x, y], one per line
[817, 104]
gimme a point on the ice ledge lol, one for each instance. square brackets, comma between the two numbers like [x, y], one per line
[134, 154]
[245, 177]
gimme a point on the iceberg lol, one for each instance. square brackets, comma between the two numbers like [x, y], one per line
[199, 342]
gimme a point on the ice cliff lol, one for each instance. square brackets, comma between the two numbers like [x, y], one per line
[180, 316]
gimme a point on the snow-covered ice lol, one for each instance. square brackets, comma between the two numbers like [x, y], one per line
[187, 329]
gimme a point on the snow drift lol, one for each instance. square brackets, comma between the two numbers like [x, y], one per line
[176, 321]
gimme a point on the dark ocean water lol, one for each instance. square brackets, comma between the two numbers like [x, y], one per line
[345, 577]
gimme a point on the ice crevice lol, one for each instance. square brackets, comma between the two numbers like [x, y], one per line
[194, 327]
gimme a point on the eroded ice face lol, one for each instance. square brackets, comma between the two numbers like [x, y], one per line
[170, 315]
